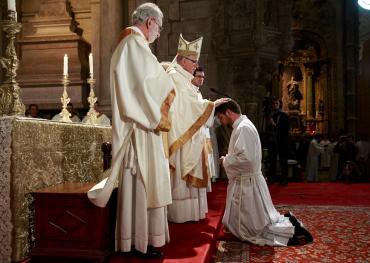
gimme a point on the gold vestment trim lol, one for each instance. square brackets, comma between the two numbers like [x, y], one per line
[196, 182]
[192, 130]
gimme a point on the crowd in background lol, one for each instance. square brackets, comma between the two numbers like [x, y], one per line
[102, 119]
[340, 158]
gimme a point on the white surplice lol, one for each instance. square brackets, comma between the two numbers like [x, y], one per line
[141, 93]
[312, 164]
[250, 214]
[188, 149]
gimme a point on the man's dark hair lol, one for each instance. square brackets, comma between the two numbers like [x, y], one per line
[198, 69]
[231, 105]
[33, 105]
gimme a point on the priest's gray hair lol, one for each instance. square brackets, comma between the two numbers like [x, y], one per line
[145, 11]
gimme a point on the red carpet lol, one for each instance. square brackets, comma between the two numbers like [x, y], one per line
[191, 242]
[341, 234]
[321, 194]
[337, 215]
[335, 228]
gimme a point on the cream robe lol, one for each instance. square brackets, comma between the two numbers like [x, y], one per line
[312, 163]
[209, 147]
[188, 149]
[141, 93]
[250, 214]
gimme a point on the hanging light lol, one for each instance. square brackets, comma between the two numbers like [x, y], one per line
[364, 4]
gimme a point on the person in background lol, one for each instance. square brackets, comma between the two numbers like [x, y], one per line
[325, 157]
[362, 157]
[278, 149]
[33, 111]
[312, 164]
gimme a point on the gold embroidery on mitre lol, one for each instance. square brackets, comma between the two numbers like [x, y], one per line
[186, 48]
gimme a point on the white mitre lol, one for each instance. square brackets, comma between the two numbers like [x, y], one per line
[187, 48]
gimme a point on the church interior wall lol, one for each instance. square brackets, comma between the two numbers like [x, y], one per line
[243, 44]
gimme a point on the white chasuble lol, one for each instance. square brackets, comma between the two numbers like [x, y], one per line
[141, 93]
[250, 214]
[188, 149]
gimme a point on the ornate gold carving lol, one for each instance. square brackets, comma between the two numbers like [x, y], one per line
[64, 114]
[92, 115]
[10, 102]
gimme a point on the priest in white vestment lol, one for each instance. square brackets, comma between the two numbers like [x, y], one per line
[141, 94]
[213, 156]
[188, 150]
[250, 214]
[313, 154]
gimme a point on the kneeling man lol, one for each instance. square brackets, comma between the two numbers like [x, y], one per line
[250, 214]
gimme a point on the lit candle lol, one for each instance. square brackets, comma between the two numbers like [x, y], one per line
[65, 65]
[11, 5]
[91, 66]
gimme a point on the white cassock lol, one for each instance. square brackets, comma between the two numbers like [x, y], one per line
[188, 149]
[312, 164]
[141, 94]
[325, 157]
[215, 154]
[102, 119]
[250, 214]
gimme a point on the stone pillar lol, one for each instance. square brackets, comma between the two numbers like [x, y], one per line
[351, 46]
[309, 98]
[112, 17]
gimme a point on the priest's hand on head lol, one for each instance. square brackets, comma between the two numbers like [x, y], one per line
[218, 102]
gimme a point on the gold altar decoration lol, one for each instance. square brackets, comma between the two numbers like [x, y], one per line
[92, 115]
[40, 153]
[10, 101]
[64, 114]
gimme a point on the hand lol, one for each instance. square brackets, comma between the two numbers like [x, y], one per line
[218, 102]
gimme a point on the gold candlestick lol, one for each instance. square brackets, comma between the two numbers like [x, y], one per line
[92, 115]
[64, 114]
[10, 101]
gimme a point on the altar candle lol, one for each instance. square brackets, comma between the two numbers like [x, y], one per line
[65, 65]
[91, 66]
[11, 5]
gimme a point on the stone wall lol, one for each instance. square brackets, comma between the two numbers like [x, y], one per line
[243, 40]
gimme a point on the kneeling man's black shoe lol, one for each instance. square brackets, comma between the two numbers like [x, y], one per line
[302, 232]
[288, 214]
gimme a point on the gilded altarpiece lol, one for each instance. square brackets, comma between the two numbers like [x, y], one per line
[303, 91]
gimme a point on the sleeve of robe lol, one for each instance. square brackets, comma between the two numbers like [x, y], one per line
[244, 155]
[139, 85]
